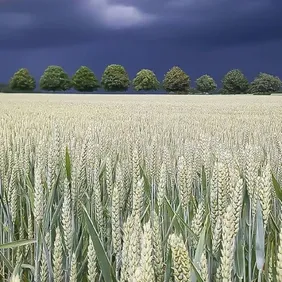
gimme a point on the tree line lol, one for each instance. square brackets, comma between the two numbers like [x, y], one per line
[116, 79]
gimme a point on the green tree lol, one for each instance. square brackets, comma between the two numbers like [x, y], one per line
[146, 80]
[22, 81]
[84, 80]
[205, 84]
[115, 78]
[55, 78]
[265, 84]
[194, 91]
[4, 87]
[176, 80]
[221, 91]
[234, 82]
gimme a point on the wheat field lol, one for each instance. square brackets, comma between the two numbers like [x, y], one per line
[136, 188]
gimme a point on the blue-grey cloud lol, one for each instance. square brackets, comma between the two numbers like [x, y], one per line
[43, 23]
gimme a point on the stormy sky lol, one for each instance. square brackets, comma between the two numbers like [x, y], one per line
[200, 36]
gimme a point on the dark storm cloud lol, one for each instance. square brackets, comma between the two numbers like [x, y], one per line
[224, 23]
[42, 23]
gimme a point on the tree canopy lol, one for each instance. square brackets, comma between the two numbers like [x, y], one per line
[265, 84]
[235, 82]
[55, 78]
[84, 80]
[176, 80]
[146, 80]
[205, 84]
[22, 81]
[115, 78]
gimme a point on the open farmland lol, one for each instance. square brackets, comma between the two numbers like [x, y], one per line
[140, 188]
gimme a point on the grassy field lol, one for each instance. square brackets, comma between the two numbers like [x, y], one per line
[140, 188]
